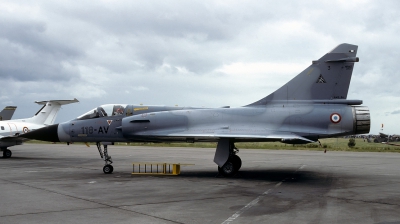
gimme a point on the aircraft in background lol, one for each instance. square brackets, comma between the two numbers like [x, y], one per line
[11, 129]
[387, 139]
[311, 106]
[7, 113]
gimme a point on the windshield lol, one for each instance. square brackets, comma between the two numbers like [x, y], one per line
[107, 110]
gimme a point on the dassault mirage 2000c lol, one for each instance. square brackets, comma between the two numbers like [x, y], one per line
[10, 130]
[311, 106]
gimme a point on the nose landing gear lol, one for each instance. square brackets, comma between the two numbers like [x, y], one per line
[6, 153]
[108, 168]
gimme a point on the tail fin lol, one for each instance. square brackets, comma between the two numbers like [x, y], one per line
[325, 79]
[48, 113]
[7, 113]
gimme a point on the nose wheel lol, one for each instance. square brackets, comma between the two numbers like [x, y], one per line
[107, 169]
[7, 153]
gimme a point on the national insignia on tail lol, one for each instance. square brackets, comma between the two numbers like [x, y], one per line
[321, 79]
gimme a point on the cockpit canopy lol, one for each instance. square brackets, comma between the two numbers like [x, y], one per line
[106, 110]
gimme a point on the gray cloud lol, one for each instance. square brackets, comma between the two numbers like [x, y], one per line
[172, 52]
[25, 65]
[29, 54]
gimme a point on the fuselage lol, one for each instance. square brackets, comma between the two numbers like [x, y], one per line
[312, 121]
[15, 128]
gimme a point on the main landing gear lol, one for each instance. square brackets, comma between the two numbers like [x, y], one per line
[6, 153]
[233, 164]
[108, 168]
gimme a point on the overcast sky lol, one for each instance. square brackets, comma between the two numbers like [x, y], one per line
[191, 53]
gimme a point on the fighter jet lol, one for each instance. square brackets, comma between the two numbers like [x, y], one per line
[10, 130]
[311, 106]
[7, 113]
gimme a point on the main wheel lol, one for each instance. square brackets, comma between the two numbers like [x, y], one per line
[228, 169]
[237, 162]
[108, 169]
[7, 153]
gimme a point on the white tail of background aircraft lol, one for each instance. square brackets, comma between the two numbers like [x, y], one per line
[48, 113]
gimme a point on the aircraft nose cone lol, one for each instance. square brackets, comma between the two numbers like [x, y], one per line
[48, 133]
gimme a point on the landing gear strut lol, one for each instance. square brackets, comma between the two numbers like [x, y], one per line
[233, 164]
[108, 168]
[6, 153]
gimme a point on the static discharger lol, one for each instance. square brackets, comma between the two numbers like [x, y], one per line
[157, 168]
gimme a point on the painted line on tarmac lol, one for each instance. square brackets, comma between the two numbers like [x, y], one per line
[248, 206]
[255, 201]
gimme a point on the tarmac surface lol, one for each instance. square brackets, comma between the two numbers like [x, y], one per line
[54, 183]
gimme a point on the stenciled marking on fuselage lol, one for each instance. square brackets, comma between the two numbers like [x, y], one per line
[339, 97]
[91, 130]
[101, 130]
[140, 108]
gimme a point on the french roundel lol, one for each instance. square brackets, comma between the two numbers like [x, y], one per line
[25, 130]
[335, 118]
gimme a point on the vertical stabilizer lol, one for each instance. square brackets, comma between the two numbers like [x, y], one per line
[7, 113]
[325, 79]
[48, 113]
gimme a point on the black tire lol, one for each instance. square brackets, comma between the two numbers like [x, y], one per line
[108, 169]
[7, 153]
[228, 169]
[237, 162]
